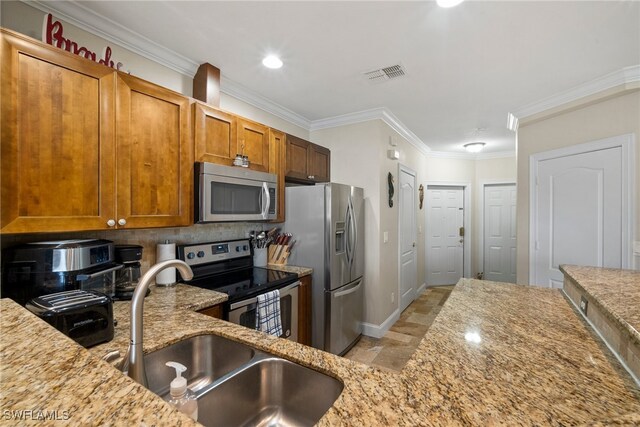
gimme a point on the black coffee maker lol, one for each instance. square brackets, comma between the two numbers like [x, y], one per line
[127, 278]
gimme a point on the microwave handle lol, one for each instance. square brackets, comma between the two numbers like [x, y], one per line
[265, 206]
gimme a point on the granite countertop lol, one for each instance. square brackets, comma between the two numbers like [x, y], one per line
[532, 362]
[616, 291]
[300, 271]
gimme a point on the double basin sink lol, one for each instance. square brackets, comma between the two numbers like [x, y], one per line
[237, 385]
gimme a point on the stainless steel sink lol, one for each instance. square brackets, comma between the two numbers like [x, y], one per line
[237, 385]
[269, 392]
[207, 358]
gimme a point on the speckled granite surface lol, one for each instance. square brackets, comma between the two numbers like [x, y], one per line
[536, 364]
[616, 291]
[301, 271]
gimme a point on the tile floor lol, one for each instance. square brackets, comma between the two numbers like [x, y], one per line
[394, 350]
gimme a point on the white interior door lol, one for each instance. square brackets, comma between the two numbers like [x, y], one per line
[500, 232]
[407, 243]
[578, 214]
[445, 246]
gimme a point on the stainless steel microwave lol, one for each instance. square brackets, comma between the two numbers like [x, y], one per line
[233, 193]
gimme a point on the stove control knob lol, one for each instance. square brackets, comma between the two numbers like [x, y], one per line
[237, 248]
[200, 254]
[191, 255]
[245, 248]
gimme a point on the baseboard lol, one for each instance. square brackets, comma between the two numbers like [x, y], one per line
[421, 289]
[378, 331]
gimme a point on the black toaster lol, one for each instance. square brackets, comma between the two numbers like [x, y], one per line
[85, 316]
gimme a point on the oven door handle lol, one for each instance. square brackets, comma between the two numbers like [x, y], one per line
[283, 293]
[82, 277]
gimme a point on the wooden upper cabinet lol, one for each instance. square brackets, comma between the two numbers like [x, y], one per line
[277, 150]
[253, 141]
[57, 150]
[215, 134]
[154, 155]
[319, 163]
[306, 162]
[219, 136]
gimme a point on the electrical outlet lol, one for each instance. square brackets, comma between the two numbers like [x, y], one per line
[583, 305]
[393, 297]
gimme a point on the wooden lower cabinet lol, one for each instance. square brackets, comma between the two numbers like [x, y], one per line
[304, 310]
[215, 311]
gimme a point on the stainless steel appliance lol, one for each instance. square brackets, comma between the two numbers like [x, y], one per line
[84, 316]
[226, 193]
[328, 222]
[228, 267]
[40, 268]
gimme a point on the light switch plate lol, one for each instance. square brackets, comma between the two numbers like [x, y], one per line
[385, 237]
[584, 304]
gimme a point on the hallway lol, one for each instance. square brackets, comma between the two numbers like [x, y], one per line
[394, 350]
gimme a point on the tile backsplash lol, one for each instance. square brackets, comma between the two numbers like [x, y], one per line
[149, 238]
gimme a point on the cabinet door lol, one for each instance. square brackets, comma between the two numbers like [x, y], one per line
[296, 155]
[277, 149]
[154, 155]
[215, 134]
[319, 163]
[253, 141]
[304, 311]
[57, 139]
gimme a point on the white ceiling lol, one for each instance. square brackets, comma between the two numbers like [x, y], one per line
[467, 67]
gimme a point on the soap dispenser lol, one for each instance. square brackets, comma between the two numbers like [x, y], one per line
[180, 396]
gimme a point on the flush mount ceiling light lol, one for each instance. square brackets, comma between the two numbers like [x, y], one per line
[272, 62]
[474, 147]
[448, 3]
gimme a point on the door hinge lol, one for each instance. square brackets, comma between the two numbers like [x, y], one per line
[461, 231]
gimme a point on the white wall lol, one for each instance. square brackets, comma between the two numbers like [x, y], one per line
[611, 116]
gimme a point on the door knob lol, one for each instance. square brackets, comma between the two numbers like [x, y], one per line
[122, 221]
[111, 223]
[414, 244]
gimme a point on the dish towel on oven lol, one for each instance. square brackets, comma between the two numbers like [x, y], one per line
[268, 313]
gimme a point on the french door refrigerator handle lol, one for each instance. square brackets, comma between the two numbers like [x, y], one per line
[354, 230]
[348, 291]
[347, 221]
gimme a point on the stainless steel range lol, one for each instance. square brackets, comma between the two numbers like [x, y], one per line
[228, 267]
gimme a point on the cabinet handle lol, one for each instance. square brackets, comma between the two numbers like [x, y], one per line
[311, 177]
[111, 223]
[122, 221]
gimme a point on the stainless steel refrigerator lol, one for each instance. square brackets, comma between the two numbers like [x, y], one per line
[327, 222]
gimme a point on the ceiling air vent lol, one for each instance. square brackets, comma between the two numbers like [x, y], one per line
[383, 74]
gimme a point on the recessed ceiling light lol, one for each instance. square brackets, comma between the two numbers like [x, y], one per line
[272, 61]
[448, 3]
[474, 147]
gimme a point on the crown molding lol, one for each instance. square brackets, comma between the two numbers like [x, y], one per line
[383, 114]
[240, 92]
[96, 24]
[621, 77]
[470, 156]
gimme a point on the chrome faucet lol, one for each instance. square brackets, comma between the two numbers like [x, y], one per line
[134, 357]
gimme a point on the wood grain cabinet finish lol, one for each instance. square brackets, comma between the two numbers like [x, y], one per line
[58, 148]
[306, 162]
[154, 155]
[304, 310]
[215, 311]
[277, 149]
[219, 136]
